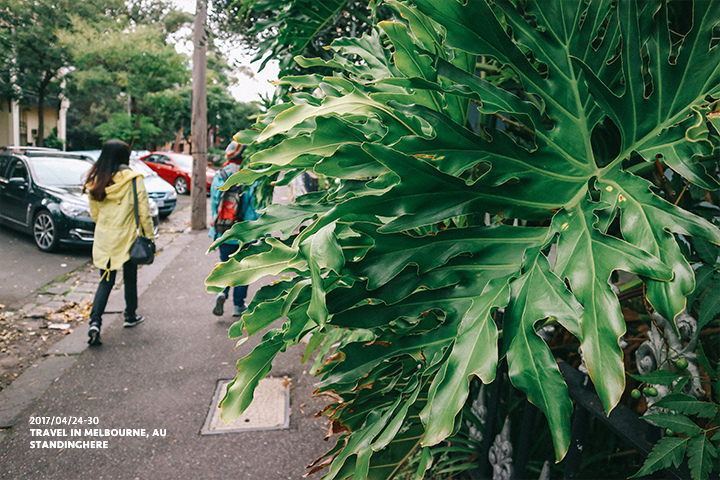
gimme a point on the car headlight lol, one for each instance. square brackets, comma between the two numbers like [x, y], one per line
[74, 210]
[172, 194]
[154, 211]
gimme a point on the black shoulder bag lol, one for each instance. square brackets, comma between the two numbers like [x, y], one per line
[142, 251]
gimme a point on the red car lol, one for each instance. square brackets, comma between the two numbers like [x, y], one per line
[176, 168]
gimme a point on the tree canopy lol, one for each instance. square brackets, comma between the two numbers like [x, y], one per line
[116, 65]
[109, 58]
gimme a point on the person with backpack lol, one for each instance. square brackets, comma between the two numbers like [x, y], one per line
[229, 207]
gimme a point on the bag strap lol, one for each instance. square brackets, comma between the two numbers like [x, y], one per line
[137, 215]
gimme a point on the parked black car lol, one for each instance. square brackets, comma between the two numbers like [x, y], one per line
[41, 194]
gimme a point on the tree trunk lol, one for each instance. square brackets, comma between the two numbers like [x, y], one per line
[132, 110]
[41, 118]
[41, 109]
[198, 193]
[178, 139]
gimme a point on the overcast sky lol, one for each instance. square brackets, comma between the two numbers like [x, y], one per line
[247, 89]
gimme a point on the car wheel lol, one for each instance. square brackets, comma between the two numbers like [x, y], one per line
[181, 185]
[44, 232]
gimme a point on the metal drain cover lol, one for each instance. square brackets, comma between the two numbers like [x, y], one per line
[269, 410]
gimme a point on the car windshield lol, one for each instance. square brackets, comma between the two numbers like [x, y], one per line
[184, 162]
[55, 171]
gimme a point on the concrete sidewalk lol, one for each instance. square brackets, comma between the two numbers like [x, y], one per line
[161, 376]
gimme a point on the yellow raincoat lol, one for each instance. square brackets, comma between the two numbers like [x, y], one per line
[114, 219]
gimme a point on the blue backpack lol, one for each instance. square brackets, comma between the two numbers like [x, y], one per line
[235, 205]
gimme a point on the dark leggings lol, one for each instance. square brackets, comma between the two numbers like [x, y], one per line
[107, 281]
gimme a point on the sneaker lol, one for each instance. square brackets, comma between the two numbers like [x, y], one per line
[219, 305]
[131, 322]
[94, 336]
[238, 310]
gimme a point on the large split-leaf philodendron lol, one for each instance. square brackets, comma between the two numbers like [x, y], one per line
[436, 223]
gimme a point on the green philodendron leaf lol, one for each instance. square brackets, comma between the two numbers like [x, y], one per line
[420, 151]
[354, 103]
[587, 258]
[537, 294]
[335, 133]
[443, 196]
[276, 218]
[251, 174]
[253, 267]
[641, 211]
[413, 63]
[474, 353]
[399, 418]
[429, 36]
[667, 122]
[386, 463]
[381, 428]
[402, 286]
[263, 312]
[321, 251]
[296, 25]
[251, 369]
[361, 358]
[512, 171]
[424, 464]
[492, 99]
[493, 246]
[376, 60]
[418, 65]
[246, 137]
[562, 91]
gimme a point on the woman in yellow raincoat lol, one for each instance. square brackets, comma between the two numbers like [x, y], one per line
[112, 206]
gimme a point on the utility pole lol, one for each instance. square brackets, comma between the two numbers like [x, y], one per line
[198, 190]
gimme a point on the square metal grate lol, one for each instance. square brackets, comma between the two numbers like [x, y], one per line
[269, 410]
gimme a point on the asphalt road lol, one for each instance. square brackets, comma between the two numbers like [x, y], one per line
[24, 268]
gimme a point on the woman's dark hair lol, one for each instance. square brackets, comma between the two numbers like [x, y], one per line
[114, 154]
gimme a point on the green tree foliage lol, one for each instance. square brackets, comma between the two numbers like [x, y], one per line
[128, 66]
[113, 63]
[225, 115]
[7, 67]
[434, 225]
[34, 57]
[34, 35]
[129, 129]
